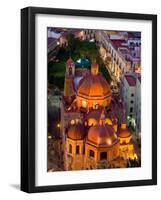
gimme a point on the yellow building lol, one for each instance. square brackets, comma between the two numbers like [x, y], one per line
[127, 149]
[92, 137]
[91, 149]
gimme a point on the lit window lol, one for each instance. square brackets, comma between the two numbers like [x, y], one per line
[72, 122]
[95, 106]
[84, 104]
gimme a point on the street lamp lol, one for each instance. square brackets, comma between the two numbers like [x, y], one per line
[58, 125]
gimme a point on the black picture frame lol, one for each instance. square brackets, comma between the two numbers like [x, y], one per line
[28, 98]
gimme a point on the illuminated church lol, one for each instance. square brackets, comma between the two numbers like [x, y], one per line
[94, 134]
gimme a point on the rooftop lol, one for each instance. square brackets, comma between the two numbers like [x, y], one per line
[131, 80]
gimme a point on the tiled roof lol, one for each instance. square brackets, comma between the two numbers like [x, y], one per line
[131, 80]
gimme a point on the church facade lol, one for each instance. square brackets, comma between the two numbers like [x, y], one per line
[93, 127]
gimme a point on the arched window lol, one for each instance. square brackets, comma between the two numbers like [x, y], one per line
[103, 155]
[91, 153]
[131, 109]
[77, 149]
[70, 70]
[70, 148]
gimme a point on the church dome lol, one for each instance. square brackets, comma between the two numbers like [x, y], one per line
[123, 132]
[102, 135]
[93, 90]
[76, 132]
[94, 86]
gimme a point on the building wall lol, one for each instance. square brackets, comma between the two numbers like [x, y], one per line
[132, 103]
[119, 64]
[74, 160]
[138, 106]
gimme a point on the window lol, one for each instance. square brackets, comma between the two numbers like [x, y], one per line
[132, 101]
[84, 104]
[131, 109]
[70, 148]
[103, 155]
[95, 106]
[132, 94]
[77, 149]
[91, 153]
[70, 71]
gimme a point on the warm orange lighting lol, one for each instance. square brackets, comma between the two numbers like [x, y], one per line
[72, 122]
[58, 125]
[84, 104]
[135, 156]
[109, 142]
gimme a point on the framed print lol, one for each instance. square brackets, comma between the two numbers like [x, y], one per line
[88, 99]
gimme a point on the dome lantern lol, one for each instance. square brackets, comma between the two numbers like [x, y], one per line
[94, 68]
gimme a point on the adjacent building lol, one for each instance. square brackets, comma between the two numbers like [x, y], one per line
[131, 94]
[124, 49]
[93, 126]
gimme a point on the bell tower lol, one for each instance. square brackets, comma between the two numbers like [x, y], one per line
[69, 74]
[94, 68]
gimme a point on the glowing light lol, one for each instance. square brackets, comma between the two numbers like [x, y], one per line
[58, 125]
[135, 156]
[49, 137]
[84, 104]
[79, 61]
[92, 40]
[109, 142]
[72, 122]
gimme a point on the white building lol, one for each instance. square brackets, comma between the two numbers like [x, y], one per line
[138, 104]
[124, 53]
[131, 94]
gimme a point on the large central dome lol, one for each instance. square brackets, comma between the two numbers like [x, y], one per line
[93, 89]
[94, 86]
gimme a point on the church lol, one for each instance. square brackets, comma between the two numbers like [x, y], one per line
[93, 128]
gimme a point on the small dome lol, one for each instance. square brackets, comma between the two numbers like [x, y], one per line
[82, 63]
[102, 135]
[123, 132]
[76, 132]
